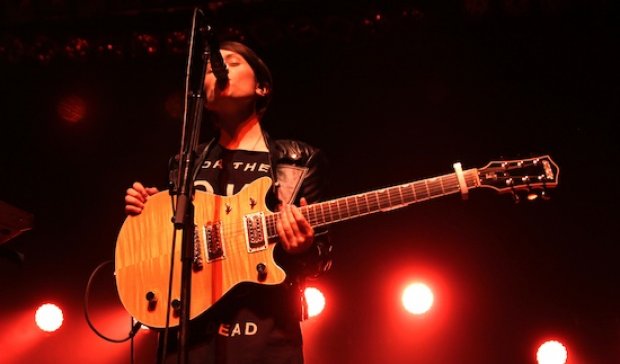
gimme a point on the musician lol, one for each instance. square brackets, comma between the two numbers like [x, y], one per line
[254, 323]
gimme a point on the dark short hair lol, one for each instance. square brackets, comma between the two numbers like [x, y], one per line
[261, 71]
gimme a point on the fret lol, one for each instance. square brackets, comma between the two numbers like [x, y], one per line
[323, 218]
[412, 188]
[304, 213]
[400, 193]
[356, 212]
[421, 190]
[309, 212]
[453, 184]
[390, 197]
[386, 196]
[432, 185]
[373, 201]
[315, 214]
[272, 232]
[333, 210]
[329, 216]
[381, 196]
[408, 193]
[428, 190]
[367, 203]
[341, 211]
[364, 203]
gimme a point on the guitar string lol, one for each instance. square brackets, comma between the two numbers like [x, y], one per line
[374, 201]
[382, 199]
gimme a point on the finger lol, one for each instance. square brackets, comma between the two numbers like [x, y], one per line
[132, 210]
[134, 201]
[293, 222]
[140, 188]
[286, 226]
[282, 234]
[303, 225]
[135, 194]
[303, 202]
[151, 190]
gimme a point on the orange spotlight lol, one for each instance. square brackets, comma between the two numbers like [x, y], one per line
[552, 352]
[315, 300]
[48, 317]
[417, 298]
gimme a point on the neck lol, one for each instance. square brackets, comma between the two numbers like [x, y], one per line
[241, 131]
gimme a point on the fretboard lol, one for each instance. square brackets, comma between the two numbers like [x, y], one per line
[385, 199]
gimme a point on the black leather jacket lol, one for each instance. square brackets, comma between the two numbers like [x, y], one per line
[299, 171]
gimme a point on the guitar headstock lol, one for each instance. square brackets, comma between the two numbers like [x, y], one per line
[530, 175]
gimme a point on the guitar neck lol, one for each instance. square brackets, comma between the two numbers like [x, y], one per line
[385, 199]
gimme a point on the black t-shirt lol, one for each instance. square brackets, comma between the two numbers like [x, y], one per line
[251, 323]
[225, 172]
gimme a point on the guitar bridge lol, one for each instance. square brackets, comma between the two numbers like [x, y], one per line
[255, 232]
[214, 243]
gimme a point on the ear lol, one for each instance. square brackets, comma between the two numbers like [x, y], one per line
[262, 90]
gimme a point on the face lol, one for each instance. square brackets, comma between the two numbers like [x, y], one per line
[242, 88]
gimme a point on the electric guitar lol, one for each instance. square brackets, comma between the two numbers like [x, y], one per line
[234, 236]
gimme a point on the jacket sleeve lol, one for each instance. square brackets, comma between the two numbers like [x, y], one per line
[317, 259]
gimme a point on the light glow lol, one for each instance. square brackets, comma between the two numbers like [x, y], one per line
[552, 352]
[48, 317]
[72, 108]
[417, 298]
[315, 300]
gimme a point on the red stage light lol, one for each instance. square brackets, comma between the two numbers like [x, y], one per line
[72, 109]
[315, 300]
[552, 352]
[48, 317]
[417, 298]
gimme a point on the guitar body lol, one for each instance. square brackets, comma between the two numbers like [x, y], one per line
[143, 253]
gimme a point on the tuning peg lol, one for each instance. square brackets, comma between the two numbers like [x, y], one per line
[531, 194]
[515, 196]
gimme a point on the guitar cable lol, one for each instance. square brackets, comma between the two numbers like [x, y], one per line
[135, 325]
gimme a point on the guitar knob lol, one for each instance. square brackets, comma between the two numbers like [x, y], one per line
[152, 298]
[261, 268]
[176, 304]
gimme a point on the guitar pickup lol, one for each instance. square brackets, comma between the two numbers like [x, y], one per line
[197, 262]
[214, 241]
[255, 231]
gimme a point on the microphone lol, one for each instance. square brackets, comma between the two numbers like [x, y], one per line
[217, 63]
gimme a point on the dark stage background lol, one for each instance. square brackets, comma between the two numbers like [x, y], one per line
[393, 93]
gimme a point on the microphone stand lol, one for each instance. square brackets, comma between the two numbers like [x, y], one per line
[199, 53]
